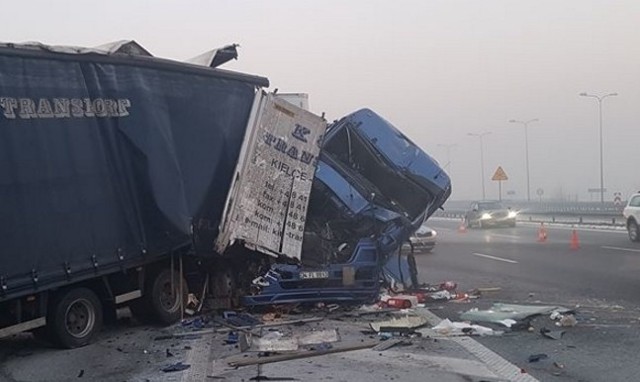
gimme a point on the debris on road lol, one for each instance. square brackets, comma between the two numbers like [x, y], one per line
[407, 322]
[552, 334]
[448, 328]
[388, 344]
[537, 357]
[300, 354]
[176, 367]
[232, 338]
[273, 342]
[509, 314]
[567, 320]
[277, 341]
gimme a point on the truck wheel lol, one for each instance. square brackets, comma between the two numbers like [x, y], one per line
[632, 228]
[75, 317]
[160, 304]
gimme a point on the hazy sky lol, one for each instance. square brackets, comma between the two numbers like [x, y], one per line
[436, 69]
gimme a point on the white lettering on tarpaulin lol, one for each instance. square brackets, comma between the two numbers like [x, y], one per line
[35, 108]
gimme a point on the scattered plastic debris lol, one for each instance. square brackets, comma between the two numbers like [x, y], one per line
[537, 357]
[176, 367]
[448, 328]
[407, 322]
[552, 334]
[498, 313]
[232, 338]
[567, 320]
[273, 342]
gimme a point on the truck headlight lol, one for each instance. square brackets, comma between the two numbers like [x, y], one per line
[485, 216]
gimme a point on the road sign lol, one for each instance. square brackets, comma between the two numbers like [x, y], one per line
[540, 192]
[617, 198]
[500, 174]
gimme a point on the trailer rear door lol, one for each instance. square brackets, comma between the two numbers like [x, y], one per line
[266, 208]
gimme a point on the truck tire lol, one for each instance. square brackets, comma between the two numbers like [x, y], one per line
[160, 304]
[75, 316]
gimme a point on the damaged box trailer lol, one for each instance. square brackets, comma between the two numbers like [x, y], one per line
[127, 178]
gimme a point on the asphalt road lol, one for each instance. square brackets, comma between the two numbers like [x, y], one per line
[601, 280]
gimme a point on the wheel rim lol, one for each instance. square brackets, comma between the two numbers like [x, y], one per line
[169, 298]
[633, 231]
[80, 318]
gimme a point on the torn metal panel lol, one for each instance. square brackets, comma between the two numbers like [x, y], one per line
[129, 47]
[216, 57]
[268, 207]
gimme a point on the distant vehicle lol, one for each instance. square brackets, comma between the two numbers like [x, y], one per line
[423, 240]
[632, 215]
[489, 213]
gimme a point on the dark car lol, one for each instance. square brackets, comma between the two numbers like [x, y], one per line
[489, 213]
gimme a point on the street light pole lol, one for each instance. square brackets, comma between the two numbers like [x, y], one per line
[448, 147]
[600, 99]
[480, 136]
[526, 150]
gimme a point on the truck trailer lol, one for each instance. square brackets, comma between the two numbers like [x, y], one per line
[131, 179]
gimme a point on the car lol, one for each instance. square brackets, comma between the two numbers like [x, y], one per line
[488, 213]
[631, 213]
[422, 241]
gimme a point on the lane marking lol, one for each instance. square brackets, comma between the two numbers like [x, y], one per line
[506, 236]
[620, 249]
[495, 258]
[491, 359]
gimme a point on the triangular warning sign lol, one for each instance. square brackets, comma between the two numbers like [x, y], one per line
[499, 174]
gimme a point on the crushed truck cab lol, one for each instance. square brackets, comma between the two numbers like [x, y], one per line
[372, 189]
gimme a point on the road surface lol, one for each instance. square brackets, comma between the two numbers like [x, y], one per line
[601, 279]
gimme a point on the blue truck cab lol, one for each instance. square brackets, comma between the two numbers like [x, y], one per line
[372, 189]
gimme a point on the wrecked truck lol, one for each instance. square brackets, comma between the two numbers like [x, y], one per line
[130, 179]
[372, 190]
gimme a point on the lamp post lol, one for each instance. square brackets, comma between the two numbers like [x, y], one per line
[448, 147]
[526, 150]
[600, 99]
[480, 136]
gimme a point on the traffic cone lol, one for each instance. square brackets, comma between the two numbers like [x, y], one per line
[462, 228]
[575, 243]
[542, 234]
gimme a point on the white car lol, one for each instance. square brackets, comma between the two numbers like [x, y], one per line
[423, 240]
[632, 216]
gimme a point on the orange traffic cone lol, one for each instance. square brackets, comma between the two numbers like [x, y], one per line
[575, 243]
[463, 227]
[542, 234]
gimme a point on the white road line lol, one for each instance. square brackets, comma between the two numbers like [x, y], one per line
[505, 236]
[495, 258]
[621, 249]
[492, 360]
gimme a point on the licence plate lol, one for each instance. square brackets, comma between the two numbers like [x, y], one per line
[314, 275]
